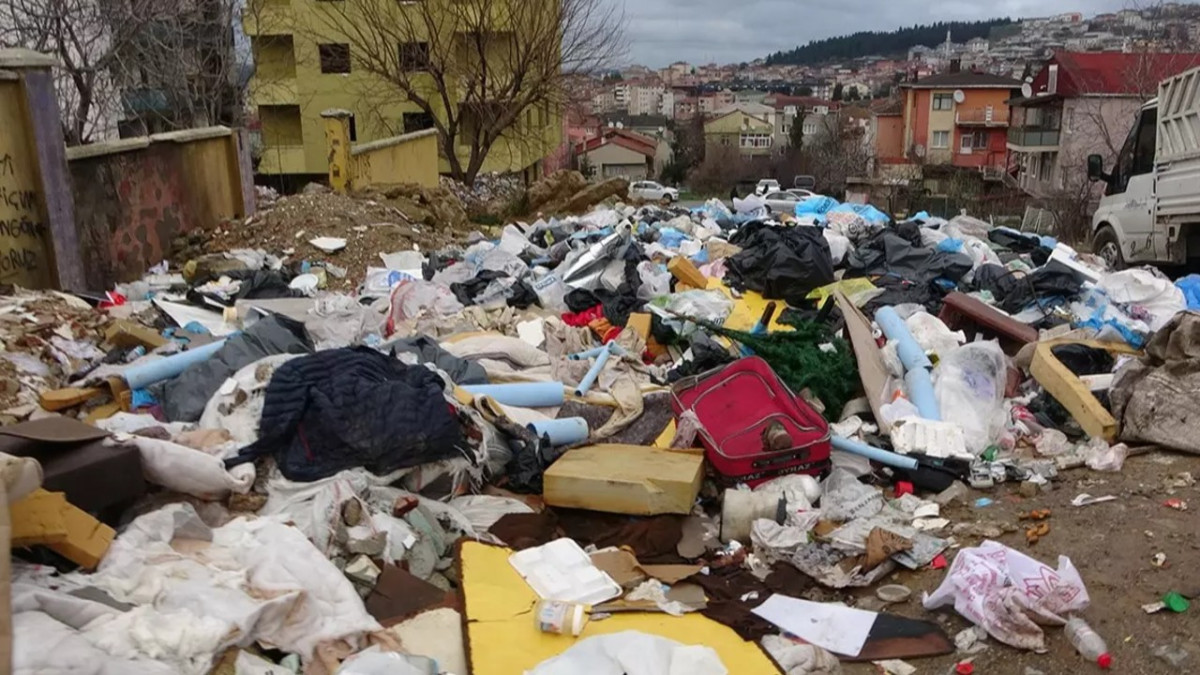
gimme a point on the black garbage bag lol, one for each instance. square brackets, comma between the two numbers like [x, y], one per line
[781, 263]
[618, 304]
[256, 285]
[344, 408]
[183, 397]
[707, 354]
[522, 297]
[1084, 360]
[889, 253]
[1046, 285]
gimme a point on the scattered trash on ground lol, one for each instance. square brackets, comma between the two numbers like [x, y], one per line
[359, 434]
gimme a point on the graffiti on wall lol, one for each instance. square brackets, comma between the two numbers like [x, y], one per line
[22, 230]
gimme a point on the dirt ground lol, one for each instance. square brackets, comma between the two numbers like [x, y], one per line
[1112, 545]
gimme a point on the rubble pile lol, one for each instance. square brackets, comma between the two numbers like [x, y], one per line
[404, 217]
[721, 439]
[491, 194]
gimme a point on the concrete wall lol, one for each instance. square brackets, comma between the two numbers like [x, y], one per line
[409, 158]
[24, 255]
[133, 197]
[889, 137]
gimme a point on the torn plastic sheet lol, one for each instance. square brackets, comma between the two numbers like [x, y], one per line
[632, 653]
[1010, 594]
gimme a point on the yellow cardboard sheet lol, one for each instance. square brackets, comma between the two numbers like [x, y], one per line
[748, 309]
[502, 639]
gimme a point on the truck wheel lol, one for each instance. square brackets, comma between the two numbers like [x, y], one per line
[1108, 247]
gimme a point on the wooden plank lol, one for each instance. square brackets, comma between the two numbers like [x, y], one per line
[1071, 392]
[87, 539]
[67, 397]
[871, 369]
[629, 479]
[682, 269]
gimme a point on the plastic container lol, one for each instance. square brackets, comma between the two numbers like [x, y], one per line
[561, 570]
[1087, 642]
[556, 616]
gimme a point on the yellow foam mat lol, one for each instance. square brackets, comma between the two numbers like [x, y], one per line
[502, 640]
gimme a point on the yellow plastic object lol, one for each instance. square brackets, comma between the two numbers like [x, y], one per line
[851, 287]
[748, 309]
[502, 640]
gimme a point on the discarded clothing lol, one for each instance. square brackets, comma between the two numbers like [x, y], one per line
[1154, 397]
[490, 285]
[426, 349]
[888, 253]
[183, 398]
[345, 408]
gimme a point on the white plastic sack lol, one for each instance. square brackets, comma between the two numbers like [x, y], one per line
[932, 334]
[751, 205]
[1010, 594]
[843, 498]
[238, 403]
[632, 653]
[1146, 289]
[839, 245]
[183, 469]
[655, 281]
[969, 384]
[797, 658]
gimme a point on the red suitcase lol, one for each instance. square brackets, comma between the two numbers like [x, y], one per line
[735, 405]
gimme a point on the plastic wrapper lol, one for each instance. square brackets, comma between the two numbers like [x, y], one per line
[969, 385]
[632, 653]
[1145, 294]
[712, 306]
[843, 498]
[839, 245]
[1010, 594]
[1107, 457]
[752, 205]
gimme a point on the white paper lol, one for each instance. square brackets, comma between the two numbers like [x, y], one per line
[328, 244]
[840, 629]
[532, 331]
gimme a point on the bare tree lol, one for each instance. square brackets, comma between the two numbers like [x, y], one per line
[483, 71]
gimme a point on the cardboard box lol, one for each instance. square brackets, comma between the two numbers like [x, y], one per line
[683, 269]
[631, 479]
[87, 539]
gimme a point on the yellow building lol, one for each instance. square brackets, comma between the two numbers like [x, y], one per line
[304, 66]
[752, 135]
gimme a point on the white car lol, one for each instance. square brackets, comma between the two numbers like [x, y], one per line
[766, 186]
[783, 201]
[648, 190]
[802, 193]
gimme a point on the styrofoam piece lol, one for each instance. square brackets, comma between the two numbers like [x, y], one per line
[561, 570]
[928, 437]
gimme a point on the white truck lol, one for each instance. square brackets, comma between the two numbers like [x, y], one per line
[1150, 211]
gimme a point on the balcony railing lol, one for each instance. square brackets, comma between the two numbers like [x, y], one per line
[984, 116]
[1033, 138]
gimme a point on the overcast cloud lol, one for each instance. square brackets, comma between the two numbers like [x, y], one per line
[730, 31]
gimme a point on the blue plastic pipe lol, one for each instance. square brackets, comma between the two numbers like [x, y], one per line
[590, 379]
[144, 374]
[916, 363]
[562, 431]
[920, 392]
[910, 353]
[872, 453]
[522, 394]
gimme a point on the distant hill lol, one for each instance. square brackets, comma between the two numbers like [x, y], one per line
[867, 43]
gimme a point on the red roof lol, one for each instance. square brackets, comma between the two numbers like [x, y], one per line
[1082, 73]
[622, 137]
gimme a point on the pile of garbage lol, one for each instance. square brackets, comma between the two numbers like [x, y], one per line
[491, 194]
[639, 439]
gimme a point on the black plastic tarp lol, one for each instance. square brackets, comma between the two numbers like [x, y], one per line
[782, 263]
[889, 253]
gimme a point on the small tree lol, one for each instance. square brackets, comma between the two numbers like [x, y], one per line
[481, 69]
[796, 133]
[586, 167]
[837, 91]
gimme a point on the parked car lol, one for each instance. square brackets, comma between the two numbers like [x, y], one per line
[804, 182]
[650, 191]
[782, 201]
[803, 194]
[765, 186]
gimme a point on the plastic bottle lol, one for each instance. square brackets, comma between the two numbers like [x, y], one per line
[1087, 642]
[553, 616]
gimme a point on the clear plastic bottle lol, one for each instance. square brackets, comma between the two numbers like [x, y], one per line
[1087, 642]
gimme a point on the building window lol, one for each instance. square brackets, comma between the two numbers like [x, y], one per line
[281, 125]
[755, 141]
[414, 56]
[274, 56]
[335, 58]
[943, 101]
[971, 140]
[940, 139]
[809, 128]
[417, 121]
[353, 130]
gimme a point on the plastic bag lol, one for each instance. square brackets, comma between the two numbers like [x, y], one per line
[1107, 457]
[1190, 286]
[655, 281]
[969, 385]
[816, 206]
[373, 661]
[1009, 594]
[839, 245]
[1145, 294]
[751, 205]
[844, 498]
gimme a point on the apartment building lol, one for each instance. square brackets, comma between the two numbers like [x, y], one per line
[958, 118]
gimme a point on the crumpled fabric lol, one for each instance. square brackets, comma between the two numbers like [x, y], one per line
[1010, 594]
[888, 253]
[198, 590]
[1144, 294]
[183, 469]
[237, 405]
[340, 321]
